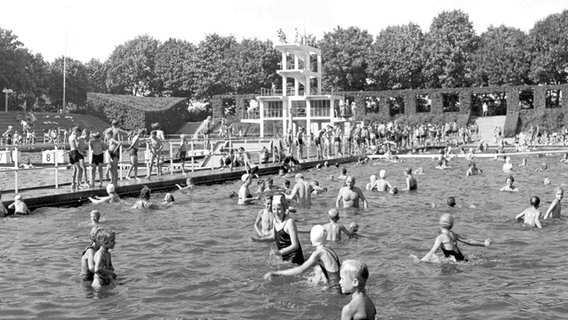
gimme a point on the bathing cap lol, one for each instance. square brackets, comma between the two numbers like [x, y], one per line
[382, 173]
[446, 220]
[18, 197]
[110, 188]
[245, 176]
[333, 213]
[373, 177]
[317, 235]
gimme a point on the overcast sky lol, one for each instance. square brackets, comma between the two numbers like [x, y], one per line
[92, 29]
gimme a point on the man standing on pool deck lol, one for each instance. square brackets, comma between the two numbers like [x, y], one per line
[75, 157]
[351, 195]
[302, 192]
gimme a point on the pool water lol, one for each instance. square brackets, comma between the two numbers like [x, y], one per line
[196, 260]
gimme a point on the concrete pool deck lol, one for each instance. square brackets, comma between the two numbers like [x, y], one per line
[65, 197]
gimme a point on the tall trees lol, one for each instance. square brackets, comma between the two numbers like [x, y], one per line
[176, 68]
[130, 67]
[76, 82]
[256, 63]
[549, 44]
[396, 58]
[448, 49]
[345, 58]
[502, 57]
[96, 74]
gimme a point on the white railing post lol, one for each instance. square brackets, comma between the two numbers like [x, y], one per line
[16, 171]
[56, 159]
[192, 157]
[171, 157]
[120, 163]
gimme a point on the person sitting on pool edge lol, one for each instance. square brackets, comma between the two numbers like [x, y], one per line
[324, 257]
[531, 214]
[510, 187]
[284, 232]
[111, 198]
[447, 241]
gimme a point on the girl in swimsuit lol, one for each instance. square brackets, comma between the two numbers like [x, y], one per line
[447, 241]
[324, 257]
[284, 232]
[104, 271]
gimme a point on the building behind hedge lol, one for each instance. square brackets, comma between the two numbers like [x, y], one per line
[139, 112]
[544, 105]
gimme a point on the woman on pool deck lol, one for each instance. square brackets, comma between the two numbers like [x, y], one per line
[284, 232]
[447, 241]
[324, 257]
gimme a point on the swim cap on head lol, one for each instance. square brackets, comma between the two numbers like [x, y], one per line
[110, 188]
[373, 177]
[333, 213]
[446, 220]
[382, 173]
[18, 197]
[245, 176]
[317, 235]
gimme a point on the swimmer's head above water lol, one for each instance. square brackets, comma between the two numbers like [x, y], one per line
[333, 215]
[451, 201]
[317, 235]
[446, 221]
[110, 188]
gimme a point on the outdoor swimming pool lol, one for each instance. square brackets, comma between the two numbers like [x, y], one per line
[196, 260]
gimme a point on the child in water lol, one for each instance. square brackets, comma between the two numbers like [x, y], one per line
[447, 241]
[189, 185]
[19, 206]
[111, 198]
[324, 257]
[531, 214]
[555, 207]
[104, 271]
[95, 217]
[169, 200]
[510, 187]
[334, 229]
[353, 278]
[88, 256]
[411, 182]
[264, 220]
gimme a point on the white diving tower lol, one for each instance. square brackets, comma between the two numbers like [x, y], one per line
[300, 102]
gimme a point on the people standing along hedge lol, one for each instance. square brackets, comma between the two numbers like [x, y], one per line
[154, 144]
[133, 151]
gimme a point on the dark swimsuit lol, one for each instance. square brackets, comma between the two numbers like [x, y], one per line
[113, 154]
[455, 253]
[332, 277]
[282, 241]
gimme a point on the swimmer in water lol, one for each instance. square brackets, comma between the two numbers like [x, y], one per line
[245, 196]
[447, 241]
[507, 166]
[350, 195]
[523, 163]
[111, 198]
[19, 206]
[188, 185]
[88, 256]
[372, 185]
[510, 187]
[531, 215]
[324, 257]
[343, 174]
[334, 229]
[554, 211]
[284, 232]
[104, 270]
[353, 278]
[411, 182]
[144, 201]
[95, 217]
[473, 170]
[382, 184]
[451, 202]
[264, 222]
[3, 210]
[543, 167]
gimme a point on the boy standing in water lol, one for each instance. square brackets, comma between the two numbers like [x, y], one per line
[510, 187]
[411, 183]
[19, 206]
[104, 271]
[334, 229]
[447, 241]
[353, 277]
[531, 214]
[555, 207]
[264, 222]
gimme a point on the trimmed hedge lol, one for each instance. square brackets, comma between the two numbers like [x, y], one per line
[139, 112]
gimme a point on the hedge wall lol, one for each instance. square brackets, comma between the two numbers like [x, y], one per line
[517, 118]
[139, 112]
